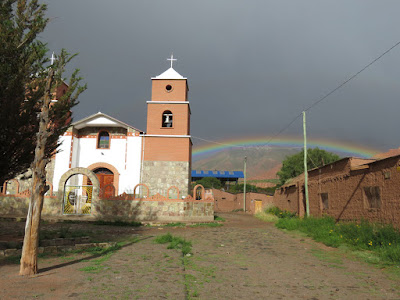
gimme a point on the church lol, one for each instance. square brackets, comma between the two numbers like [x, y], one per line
[123, 156]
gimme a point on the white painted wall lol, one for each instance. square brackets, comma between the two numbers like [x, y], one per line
[131, 176]
[124, 155]
[61, 164]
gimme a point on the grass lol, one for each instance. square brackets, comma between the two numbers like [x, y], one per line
[266, 217]
[178, 224]
[219, 219]
[175, 242]
[376, 243]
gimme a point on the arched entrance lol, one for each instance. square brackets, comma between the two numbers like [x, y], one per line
[108, 177]
[77, 198]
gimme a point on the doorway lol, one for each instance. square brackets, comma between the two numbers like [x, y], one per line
[106, 180]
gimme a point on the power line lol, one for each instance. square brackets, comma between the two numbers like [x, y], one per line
[352, 77]
[316, 102]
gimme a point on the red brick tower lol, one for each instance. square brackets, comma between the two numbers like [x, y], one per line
[167, 143]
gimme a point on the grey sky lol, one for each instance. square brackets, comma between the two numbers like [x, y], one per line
[252, 65]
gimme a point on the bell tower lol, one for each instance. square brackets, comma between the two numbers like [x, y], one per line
[167, 151]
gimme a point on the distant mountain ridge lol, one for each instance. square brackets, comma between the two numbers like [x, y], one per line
[262, 162]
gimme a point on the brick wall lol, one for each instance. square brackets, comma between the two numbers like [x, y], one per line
[180, 119]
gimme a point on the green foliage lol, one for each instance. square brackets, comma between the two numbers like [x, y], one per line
[219, 219]
[293, 165]
[239, 188]
[210, 182]
[280, 213]
[175, 243]
[177, 224]
[210, 224]
[382, 240]
[250, 188]
[24, 73]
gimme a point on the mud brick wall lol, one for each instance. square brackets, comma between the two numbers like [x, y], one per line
[227, 202]
[343, 184]
[346, 196]
[160, 175]
[287, 198]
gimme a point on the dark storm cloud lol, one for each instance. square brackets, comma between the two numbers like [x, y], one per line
[252, 65]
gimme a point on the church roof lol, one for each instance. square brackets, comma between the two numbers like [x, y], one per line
[102, 120]
[169, 74]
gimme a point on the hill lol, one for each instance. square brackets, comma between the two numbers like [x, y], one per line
[262, 162]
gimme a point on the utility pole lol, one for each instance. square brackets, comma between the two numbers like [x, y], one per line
[305, 166]
[244, 187]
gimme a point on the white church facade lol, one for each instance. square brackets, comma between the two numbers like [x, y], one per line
[110, 148]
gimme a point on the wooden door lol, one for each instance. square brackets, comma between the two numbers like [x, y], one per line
[105, 181]
[257, 206]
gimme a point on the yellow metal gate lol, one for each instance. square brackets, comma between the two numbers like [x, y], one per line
[77, 199]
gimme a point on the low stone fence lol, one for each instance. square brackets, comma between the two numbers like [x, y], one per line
[151, 209]
[198, 207]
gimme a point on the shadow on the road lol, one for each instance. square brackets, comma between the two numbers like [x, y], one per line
[88, 258]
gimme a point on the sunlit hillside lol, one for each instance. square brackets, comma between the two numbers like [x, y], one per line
[262, 163]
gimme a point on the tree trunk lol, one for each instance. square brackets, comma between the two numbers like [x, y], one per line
[31, 239]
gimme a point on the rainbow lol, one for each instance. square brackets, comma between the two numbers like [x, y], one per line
[339, 147]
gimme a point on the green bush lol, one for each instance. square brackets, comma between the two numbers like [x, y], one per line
[280, 213]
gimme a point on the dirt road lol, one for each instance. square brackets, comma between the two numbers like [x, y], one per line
[244, 259]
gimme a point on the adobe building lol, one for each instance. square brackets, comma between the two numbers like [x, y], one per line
[348, 189]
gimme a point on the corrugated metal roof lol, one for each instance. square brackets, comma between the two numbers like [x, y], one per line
[218, 174]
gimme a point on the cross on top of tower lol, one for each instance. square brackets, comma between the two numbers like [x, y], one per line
[53, 58]
[172, 59]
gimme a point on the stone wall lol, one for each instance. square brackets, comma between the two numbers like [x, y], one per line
[160, 175]
[17, 206]
[156, 208]
[148, 210]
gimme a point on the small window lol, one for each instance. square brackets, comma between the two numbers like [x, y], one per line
[103, 141]
[167, 119]
[324, 201]
[372, 196]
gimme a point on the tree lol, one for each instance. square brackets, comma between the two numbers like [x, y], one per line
[210, 182]
[293, 165]
[30, 123]
[21, 60]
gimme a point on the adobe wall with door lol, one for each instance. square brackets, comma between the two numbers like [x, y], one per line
[227, 202]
